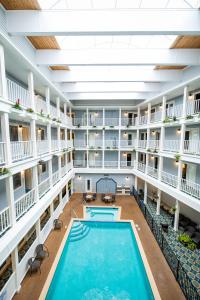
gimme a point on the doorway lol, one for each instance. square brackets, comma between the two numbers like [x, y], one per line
[130, 118]
[129, 159]
[88, 185]
[129, 139]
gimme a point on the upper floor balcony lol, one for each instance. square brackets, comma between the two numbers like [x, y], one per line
[142, 120]
[2, 153]
[192, 147]
[171, 145]
[125, 143]
[80, 122]
[128, 122]
[111, 122]
[21, 150]
[156, 117]
[193, 107]
[17, 93]
[142, 144]
[111, 144]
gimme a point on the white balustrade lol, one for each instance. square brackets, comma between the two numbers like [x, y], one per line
[110, 164]
[95, 163]
[79, 122]
[111, 121]
[63, 144]
[4, 220]
[42, 147]
[63, 118]
[24, 203]
[79, 143]
[154, 144]
[192, 147]
[142, 144]
[54, 145]
[143, 120]
[53, 111]
[156, 117]
[70, 143]
[111, 144]
[80, 163]
[63, 170]
[126, 164]
[153, 172]
[2, 153]
[41, 105]
[95, 144]
[127, 143]
[128, 122]
[141, 167]
[193, 107]
[191, 188]
[170, 179]
[18, 93]
[21, 150]
[171, 145]
[175, 111]
[95, 122]
[55, 177]
[43, 187]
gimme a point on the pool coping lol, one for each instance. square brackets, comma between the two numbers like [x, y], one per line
[104, 207]
[149, 273]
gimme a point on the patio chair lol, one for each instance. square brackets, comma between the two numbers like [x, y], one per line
[84, 196]
[34, 265]
[102, 197]
[58, 224]
[41, 252]
[94, 197]
[190, 231]
[196, 238]
[113, 199]
[165, 227]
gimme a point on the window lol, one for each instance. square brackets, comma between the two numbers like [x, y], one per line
[17, 181]
[88, 185]
[14, 133]
[43, 168]
[64, 192]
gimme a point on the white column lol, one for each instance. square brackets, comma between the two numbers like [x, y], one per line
[182, 138]
[119, 149]
[176, 216]
[137, 138]
[65, 108]
[35, 182]
[136, 183]
[138, 116]
[120, 117]
[58, 107]
[103, 151]
[160, 167]
[10, 199]
[50, 171]
[87, 117]
[103, 116]
[31, 91]
[33, 136]
[185, 98]
[15, 266]
[38, 229]
[179, 174]
[148, 138]
[6, 137]
[58, 137]
[49, 136]
[163, 108]
[59, 166]
[145, 192]
[147, 163]
[3, 81]
[162, 137]
[47, 96]
[149, 113]
[158, 202]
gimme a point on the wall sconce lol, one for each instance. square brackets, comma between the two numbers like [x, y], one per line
[153, 132]
[39, 129]
[160, 107]
[126, 114]
[146, 112]
[20, 126]
[176, 163]
[127, 178]
[96, 154]
[125, 133]
[152, 157]
[96, 133]
[178, 131]
[79, 177]
[96, 114]
[191, 96]
[124, 154]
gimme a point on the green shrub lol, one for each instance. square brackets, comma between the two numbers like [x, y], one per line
[187, 241]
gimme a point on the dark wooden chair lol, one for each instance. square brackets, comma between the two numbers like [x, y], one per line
[41, 252]
[34, 265]
[58, 224]
[94, 197]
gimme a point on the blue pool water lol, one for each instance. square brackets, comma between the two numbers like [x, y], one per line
[103, 265]
[102, 213]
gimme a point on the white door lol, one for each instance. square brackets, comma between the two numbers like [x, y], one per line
[191, 172]
[170, 109]
[193, 137]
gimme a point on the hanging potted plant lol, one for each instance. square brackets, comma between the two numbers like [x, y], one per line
[177, 157]
[17, 105]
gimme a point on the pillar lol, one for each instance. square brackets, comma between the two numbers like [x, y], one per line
[3, 81]
[158, 202]
[176, 216]
[145, 192]
[31, 91]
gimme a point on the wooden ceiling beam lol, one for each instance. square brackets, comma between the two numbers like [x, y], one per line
[21, 4]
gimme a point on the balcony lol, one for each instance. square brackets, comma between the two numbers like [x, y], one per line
[141, 167]
[191, 188]
[4, 220]
[63, 144]
[169, 179]
[24, 203]
[126, 164]
[95, 122]
[154, 144]
[79, 122]
[95, 164]
[41, 105]
[2, 153]
[80, 143]
[127, 143]
[156, 117]
[55, 177]
[80, 163]
[95, 144]
[64, 118]
[111, 144]
[63, 170]
[193, 107]
[43, 187]
[175, 111]
[111, 164]
[111, 122]
[70, 143]
[192, 147]
[142, 144]
[21, 150]
[143, 120]
[54, 145]
[42, 147]
[128, 122]
[152, 172]
[171, 145]
[18, 93]
[53, 111]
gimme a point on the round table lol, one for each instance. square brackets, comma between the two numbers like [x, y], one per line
[89, 197]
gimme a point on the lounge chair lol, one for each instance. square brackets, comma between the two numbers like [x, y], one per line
[190, 231]
[34, 265]
[41, 252]
[58, 224]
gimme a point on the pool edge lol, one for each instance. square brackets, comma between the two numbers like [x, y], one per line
[149, 273]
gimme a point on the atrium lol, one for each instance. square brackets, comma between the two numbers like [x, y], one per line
[99, 149]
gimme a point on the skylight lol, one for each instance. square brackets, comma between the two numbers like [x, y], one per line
[117, 4]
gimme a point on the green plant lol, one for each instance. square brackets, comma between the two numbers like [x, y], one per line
[3, 171]
[48, 116]
[155, 151]
[17, 105]
[58, 121]
[189, 117]
[41, 113]
[127, 125]
[187, 241]
[78, 125]
[174, 119]
[172, 209]
[192, 246]
[54, 119]
[94, 126]
[111, 126]
[30, 110]
[148, 150]
[177, 157]
[167, 120]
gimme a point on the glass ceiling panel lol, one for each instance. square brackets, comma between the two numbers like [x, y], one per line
[117, 4]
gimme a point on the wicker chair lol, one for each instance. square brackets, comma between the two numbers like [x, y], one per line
[58, 224]
[34, 265]
[94, 197]
[41, 252]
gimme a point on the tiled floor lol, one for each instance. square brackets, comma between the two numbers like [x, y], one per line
[189, 259]
[166, 283]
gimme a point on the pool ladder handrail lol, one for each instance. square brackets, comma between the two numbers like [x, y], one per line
[73, 211]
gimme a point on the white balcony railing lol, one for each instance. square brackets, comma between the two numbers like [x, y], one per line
[80, 143]
[41, 105]
[111, 144]
[128, 122]
[2, 153]
[141, 167]
[126, 164]
[192, 147]
[64, 118]
[24, 203]
[95, 144]
[43, 187]
[95, 122]
[80, 163]
[154, 144]
[171, 145]
[63, 144]
[169, 179]
[142, 144]
[21, 150]
[143, 120]
[111, 121]
[95, 163]
[191, 188]
[18, 93]
[55, 177]
[54, 145]
[4, 220]
[193, 107]
[63, 170]
[79, 122]
[110, 164]
[152, 172]
[53, 111]
[175, 111]
[70, 143]
[42, 147]
[127, 143]
[156, 117]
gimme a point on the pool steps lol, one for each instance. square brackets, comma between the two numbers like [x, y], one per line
[78, 231]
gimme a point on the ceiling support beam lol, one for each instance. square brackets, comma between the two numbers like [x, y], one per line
[104, 22]
[116, 57]
[109, 96]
